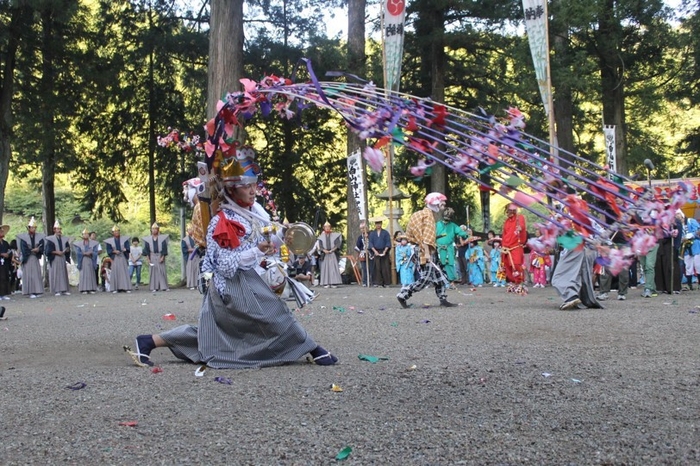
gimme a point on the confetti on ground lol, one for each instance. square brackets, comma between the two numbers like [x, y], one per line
[343, 454]
[372, 359]
[336, 388]
[546, 374]
[77, 386]
[156, 370]
[424, 321]
[394, 324]
[169, 317]
[575, 380]
[340, 309]
[129, 423]
[223, 380]
[413, 368]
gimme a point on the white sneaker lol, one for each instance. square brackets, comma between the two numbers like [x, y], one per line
[67, 293]
[621, 297]
[495, 285]
[32, 296]
[6, 298]
[57, 294]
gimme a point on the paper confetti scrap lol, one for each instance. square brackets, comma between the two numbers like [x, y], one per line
[169, 317]
[546, 374]
[224, 380]
[156, 370]
[343, 454]
[372, 359]
[336, 388]
[129, 423]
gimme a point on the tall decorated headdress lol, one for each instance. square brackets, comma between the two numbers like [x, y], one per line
[56, 224]
[241, 169]
[84, 232]
[32, 222]
[115, 229]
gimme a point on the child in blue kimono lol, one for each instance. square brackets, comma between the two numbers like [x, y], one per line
[496, 264]
[476, 262]
[404, 262]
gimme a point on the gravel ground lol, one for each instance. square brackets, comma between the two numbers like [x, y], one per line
[501, 379]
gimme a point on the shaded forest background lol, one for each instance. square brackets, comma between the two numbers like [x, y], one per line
[88, 85]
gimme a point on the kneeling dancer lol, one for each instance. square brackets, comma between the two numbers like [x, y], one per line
[242, 322]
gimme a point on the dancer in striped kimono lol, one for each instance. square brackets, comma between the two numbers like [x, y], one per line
[242, 322]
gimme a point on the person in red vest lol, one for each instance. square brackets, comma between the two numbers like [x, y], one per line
[514, 239]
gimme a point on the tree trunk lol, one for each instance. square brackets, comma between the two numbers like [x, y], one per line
[612, 80]
[19, 15]
[357, 61]
[563, 97]
[151, 123]
[433, 27]
[48, 150]
[225, 50]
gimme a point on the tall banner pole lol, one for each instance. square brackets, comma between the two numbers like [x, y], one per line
[393, 21]
[537, 27]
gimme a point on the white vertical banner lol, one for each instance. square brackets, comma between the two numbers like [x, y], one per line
[393, 20]
[610, 151]
[355, 168]
[536, 27]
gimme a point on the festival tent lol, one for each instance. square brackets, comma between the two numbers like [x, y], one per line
[664, 189]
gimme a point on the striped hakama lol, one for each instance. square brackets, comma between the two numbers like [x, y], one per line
[88, 280]
[119, 278]
[118, 251]
[58, 275]
[32, 282]
[192, 271]
[252, 327]
[154, 249]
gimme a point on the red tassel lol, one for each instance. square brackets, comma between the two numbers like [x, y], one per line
[227, 232]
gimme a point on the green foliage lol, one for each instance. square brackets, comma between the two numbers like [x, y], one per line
[124, 71]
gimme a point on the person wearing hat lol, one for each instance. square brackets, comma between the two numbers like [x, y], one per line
[420, 231]
[57, 251]
[32, 248]
[5, 263]
[380, 245]
[86, 253]
[155, 249]
[118, 250]
[328, 246]
[447, 232]
[242, 322]
[497, 275]
[405, 263]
